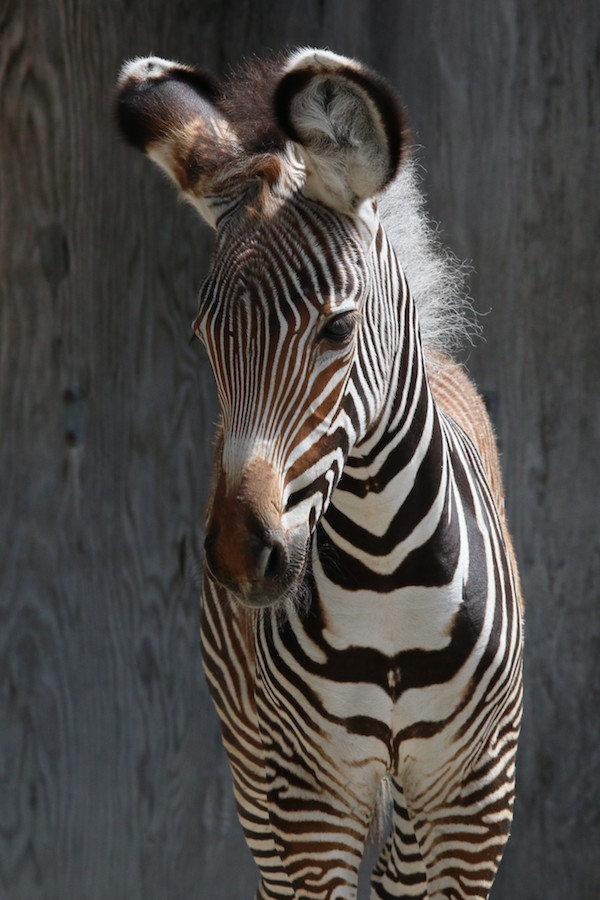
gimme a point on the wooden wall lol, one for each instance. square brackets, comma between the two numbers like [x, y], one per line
[112, 781]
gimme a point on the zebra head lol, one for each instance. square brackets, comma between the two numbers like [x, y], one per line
[299, 312]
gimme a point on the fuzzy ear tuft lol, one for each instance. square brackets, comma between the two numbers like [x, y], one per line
[347, 122]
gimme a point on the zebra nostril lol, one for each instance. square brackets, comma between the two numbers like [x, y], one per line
[272, 561]
[275, 564]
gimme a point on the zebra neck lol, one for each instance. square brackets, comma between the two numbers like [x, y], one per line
[394, 495]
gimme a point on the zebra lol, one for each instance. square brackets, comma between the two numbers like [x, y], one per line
[361, 613]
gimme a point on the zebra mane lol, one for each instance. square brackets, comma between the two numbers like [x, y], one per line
[436, 277]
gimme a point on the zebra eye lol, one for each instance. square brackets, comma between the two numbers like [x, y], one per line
[339, 329]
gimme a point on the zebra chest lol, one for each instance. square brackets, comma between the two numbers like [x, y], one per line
[388, 647]
[367, 667]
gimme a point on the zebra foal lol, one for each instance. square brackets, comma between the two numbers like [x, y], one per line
[361, 611]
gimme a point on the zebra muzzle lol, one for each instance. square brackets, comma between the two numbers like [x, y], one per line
[247, 550]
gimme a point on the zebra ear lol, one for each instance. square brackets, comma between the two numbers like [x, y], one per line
[347, 122]
[170, 113]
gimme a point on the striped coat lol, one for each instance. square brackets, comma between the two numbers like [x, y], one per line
[361, 612]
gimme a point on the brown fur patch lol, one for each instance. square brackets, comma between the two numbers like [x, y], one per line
[240, 511]
[247, 101]
[456, 395]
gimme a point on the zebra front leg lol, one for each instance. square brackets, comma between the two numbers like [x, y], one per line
[228, 659]
[254, 819]
[320, 830]
[244, 750]
[322, 779]
[319, 805]
[462, 835]
[400, 870]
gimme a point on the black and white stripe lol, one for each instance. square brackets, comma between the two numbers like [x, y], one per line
[361, 612]
[402, 658]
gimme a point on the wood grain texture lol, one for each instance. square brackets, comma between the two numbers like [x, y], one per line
[113, 783]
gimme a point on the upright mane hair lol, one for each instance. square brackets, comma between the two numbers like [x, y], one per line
[436, 277]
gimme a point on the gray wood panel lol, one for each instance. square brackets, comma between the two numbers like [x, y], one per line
[112, 780]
